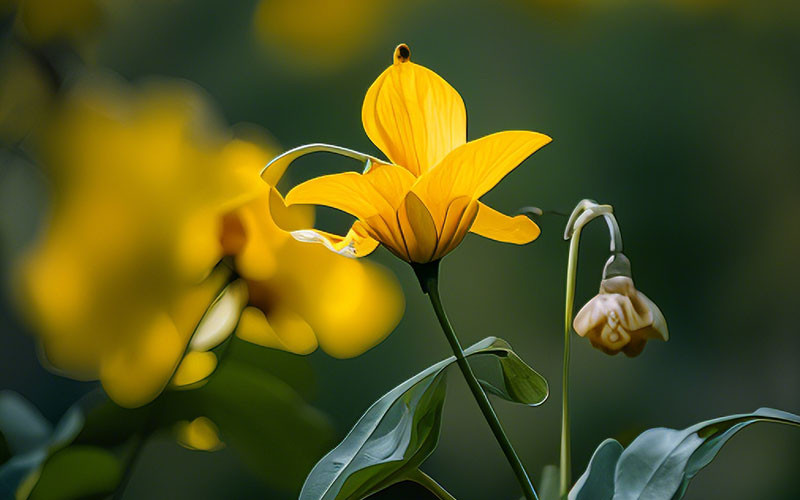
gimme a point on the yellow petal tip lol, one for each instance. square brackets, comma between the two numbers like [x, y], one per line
[402, 54]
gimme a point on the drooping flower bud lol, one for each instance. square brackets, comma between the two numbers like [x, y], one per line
[619, 317]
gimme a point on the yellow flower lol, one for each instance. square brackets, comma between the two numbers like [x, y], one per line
[124, 284]
[620, 318]
[421, 205]
[319, 35]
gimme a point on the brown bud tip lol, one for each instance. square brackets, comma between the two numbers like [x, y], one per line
[402, 53]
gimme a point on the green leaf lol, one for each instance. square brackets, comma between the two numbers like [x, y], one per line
[401, 429]
[22, 425]
[660, 462]
[77, 472]
[510, 378]
[598, 480]
[31, 438]
[276, 433]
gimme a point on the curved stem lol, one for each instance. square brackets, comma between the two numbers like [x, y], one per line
[565, 467]
[428, 275]
[138, 444]
[430, 484]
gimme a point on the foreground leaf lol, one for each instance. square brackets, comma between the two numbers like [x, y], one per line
[659, 464]
[276, 433]
[30, 437]
[77, 472]
[401, 429]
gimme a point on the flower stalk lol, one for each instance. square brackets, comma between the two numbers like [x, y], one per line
[428, 275]
[584, 212]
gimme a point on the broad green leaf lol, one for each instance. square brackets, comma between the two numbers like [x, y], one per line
[275, 432]
[659, 464]
[31, 438]
[22, 425]
[77, 472]
[598, 480]
[401, 429]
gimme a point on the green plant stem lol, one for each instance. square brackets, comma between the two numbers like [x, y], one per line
[428, 275]
[136, 450]
[565, 468]
[430, 484]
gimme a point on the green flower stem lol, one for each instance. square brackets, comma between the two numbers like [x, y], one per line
[430, 484]
[428, 275]
[565, 467]
[136, 450]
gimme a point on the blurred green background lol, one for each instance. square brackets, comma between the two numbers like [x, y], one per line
[683, 115]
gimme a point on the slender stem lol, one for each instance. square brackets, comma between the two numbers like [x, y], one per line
[430, 484]
[138, 444]
[429, 279]
[566, 462]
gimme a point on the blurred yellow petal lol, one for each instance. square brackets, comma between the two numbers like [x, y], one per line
[255, 243]
[352, 305]
[191, 306]
[200, 435]
[413, 115]
[284, 330]
[500, 227]
[194, 367]
[318, 35]
[140, 366]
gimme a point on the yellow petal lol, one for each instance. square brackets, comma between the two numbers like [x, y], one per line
[413, 115]
[194, 367]
[458, 219]
[500, 227]
[289, 218]
[255, 259]
[352, 305]
[357, 242]
[349, 192]
[475, 168]
[140, 367]
[200, 434]
[284, 330]
[418, 229]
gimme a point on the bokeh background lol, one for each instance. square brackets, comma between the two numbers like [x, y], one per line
[683, 114]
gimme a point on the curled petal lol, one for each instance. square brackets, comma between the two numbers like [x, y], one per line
[500, 227]
[357, 243]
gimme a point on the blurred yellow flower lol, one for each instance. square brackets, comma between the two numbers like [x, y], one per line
[422, 204]
[316, 35]
[44, 21]
[120, 284]
[295, 290]
[620, 318]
